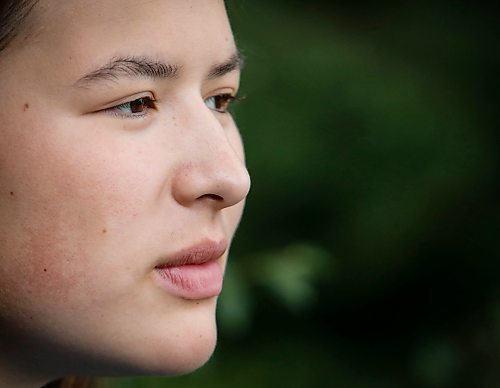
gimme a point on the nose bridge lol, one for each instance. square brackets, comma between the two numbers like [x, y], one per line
[212, 168]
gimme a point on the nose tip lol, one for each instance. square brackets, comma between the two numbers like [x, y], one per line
[220, 181]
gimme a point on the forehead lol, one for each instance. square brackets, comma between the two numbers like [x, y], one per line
[182, 31]
[85, 13]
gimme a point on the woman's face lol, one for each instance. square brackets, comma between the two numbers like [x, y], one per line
[117, 162]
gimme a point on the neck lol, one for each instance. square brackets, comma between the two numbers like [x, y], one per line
[20, 366]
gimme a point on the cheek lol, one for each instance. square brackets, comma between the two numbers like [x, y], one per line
[55, 262]
[57, 211]
[42, 269]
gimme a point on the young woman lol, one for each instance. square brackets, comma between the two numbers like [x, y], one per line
[122, 181]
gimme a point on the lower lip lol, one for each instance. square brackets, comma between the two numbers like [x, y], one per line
[192, 281]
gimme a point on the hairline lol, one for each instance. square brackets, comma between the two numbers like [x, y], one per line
[16, 22]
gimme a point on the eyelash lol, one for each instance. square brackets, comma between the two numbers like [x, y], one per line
[140, 107]
[222, 102]
[145, 103]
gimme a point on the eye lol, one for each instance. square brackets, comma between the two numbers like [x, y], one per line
[220, 102]
[133, 109]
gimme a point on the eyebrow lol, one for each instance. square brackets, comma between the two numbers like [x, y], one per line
[145, 67]
[129, 67]
[235, 62]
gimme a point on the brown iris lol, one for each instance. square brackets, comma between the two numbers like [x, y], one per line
[140, 105]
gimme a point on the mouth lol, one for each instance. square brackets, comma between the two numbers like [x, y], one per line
[194, 272]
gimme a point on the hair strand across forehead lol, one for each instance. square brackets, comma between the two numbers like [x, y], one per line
[12, 16]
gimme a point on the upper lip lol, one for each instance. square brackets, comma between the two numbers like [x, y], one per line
[198, 253]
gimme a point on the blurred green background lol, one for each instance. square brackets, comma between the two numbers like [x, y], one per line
[369, 255]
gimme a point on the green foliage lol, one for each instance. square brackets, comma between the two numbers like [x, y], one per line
[289, 275]
[435, 363]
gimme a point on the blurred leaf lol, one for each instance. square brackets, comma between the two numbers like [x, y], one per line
[436, 363]
[292, 274]
[235, 306]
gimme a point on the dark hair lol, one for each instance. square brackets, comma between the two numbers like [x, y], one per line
[13, 15]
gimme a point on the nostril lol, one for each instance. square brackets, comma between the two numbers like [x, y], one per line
[213, 197]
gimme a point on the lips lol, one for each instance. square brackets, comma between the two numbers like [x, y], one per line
[194, 272]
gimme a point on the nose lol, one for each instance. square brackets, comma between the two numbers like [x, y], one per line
[213, 171]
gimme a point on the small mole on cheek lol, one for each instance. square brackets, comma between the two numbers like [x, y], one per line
[104, 231]
[26, 106]
[12, 193]
[45, 270]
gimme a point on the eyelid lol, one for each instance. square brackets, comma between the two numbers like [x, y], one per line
[227, 99]
[124, 100]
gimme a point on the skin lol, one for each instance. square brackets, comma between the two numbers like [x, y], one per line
[90, 199]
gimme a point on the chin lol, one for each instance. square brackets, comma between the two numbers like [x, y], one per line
[177, 359]
[189, 355]
[173, 349]
[188, 360]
